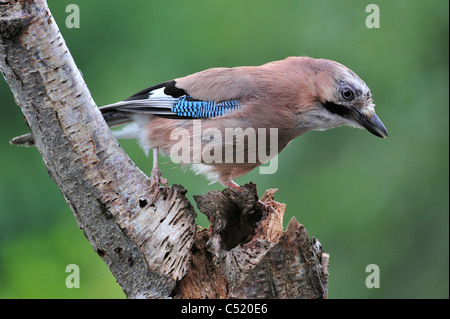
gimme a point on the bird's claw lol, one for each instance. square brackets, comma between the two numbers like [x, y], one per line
[156, 179]
[269, 205]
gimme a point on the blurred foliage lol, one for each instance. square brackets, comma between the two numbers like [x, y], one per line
[368, 200]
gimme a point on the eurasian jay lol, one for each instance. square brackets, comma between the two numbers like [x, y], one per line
[284, 98]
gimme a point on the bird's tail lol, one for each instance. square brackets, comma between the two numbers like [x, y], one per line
[112, 116]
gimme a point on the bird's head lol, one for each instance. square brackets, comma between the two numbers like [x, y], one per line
[342, 98]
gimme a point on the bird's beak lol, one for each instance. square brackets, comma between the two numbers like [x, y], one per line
[373, 124]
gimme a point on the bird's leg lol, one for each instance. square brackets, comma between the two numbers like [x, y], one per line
[233, 185]
[156, 176]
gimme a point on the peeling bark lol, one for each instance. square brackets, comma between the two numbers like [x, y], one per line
[150, 242]
[103, 187]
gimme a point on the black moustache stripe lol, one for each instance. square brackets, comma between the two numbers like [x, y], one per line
[337, 108]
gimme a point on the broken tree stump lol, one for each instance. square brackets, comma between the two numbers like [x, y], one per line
[245, 253]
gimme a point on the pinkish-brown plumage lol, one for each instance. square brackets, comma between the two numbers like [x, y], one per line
[291, 97]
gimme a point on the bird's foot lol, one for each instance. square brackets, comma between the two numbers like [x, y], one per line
[269, 205]
[268, 201]
[156, 179]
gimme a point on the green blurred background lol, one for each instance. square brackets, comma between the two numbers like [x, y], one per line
[368, 200]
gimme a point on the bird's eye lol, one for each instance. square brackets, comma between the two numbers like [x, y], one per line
[347, 93]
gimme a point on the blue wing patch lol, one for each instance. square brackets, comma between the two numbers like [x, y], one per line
[186, 107]
[156, 101]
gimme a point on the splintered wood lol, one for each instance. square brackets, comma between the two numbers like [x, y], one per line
[246, 254]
